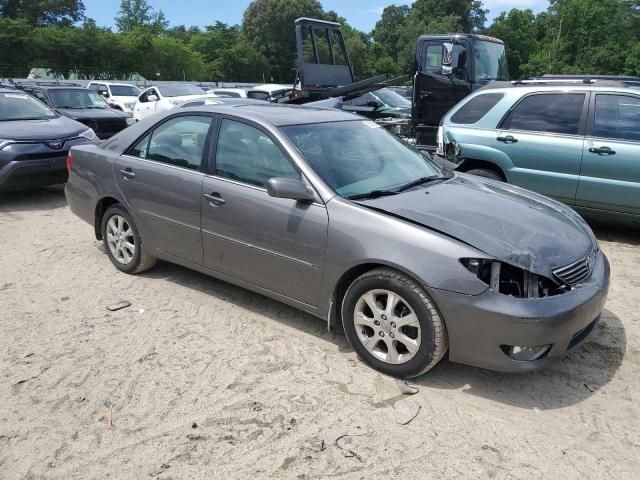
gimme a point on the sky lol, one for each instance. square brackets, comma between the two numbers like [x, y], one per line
[362, 14]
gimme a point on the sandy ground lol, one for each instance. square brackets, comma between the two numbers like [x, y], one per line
[206, 380]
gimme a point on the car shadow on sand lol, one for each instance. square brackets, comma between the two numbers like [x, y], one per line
[46, 198]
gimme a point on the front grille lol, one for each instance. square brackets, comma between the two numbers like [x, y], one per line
[43, 156]
[109, 126]
[576, 272]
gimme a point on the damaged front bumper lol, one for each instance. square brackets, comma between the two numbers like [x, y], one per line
[484, 329]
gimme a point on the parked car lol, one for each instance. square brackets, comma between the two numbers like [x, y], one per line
[332, 214]
[207, 100]
[161, 98]
[34, 141]
[228, 92]
[119, 95]
[406, 91]
[576, 143]
[270, 92]
[83, 105]
[382, 103]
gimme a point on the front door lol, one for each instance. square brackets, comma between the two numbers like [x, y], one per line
[435, 93]
[161, 179]
[543, 136]
[610, 175]
[274, 243]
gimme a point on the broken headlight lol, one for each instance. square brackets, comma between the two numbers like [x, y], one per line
[513, 281]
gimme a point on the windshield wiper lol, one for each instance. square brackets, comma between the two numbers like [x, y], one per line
[422, 181]
[372, 194]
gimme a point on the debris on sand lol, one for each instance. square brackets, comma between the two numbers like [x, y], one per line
[119, 305]
[405, 388]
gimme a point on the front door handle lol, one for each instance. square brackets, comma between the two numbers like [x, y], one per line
[127, 173]
[424, 95]
[215, 199]
[602, 151]
[508, 139]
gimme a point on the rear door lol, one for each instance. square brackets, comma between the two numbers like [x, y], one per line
[543, 136]
[610, 175]
[161, 177]
[277, 244]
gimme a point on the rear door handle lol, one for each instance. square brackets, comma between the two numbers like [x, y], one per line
[127, 173]
[215, 199]
[508, 139]
[602, 151]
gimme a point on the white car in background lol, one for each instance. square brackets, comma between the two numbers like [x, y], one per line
[122, 96]
[270, 92]
[228, 92]
[164, 97]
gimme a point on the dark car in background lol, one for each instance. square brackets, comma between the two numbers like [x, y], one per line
[34, 141]
[382, 103]
[81, 104]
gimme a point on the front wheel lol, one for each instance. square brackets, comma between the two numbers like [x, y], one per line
[392, 324]
[123, 243]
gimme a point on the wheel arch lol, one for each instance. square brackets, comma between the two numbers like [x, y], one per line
[347, 278]
[101, 207]
[473, 164]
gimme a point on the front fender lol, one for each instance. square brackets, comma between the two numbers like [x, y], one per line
[487, 154]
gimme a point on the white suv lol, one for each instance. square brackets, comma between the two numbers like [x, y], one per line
[122, 96]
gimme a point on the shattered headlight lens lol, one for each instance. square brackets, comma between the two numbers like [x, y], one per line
[510, 280]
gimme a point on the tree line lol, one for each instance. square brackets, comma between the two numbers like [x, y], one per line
[571, 36]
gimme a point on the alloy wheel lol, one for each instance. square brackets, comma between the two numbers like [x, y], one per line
[387, 326]
[120, 239]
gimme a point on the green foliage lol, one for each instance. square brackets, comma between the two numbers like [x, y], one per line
[135, 14]
[572, 36]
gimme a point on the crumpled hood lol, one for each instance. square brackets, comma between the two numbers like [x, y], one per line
[48, 129]
[92, 113]
[506, 222]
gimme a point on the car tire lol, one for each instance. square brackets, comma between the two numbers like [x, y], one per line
[486, 173]
[123, 243]
[410, 337]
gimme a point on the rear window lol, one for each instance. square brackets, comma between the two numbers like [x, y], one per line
[550, 112]
[476, 108]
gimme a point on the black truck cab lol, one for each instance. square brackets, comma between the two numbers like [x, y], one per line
[450, 67]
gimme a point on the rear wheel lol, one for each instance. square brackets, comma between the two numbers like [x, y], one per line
[486, 173]
[123, 243]
[392, 324]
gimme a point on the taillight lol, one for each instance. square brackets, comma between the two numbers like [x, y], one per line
[69, 162]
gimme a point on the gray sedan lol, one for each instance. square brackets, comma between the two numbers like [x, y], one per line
[329, 213]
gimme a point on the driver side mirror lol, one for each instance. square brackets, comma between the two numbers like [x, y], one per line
[104, 93]
[289, 188]
[447, 59]
[152, 98]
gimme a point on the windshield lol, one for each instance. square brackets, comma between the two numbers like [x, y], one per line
[391, 98]
[20, 106]
[124, 91]
[358, 157]
[180, 90]
[491, 61]
[76, 99]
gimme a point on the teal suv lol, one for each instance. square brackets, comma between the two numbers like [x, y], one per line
[579, 144]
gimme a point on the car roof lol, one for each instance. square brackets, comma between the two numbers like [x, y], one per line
[280, 115]
[55, 87]
[523, 89]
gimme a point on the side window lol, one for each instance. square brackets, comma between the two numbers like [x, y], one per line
[141, 148]
[552, 113]
[179, 141]
[143, 98]
[248, 155]
[362, 100]
[432, 62]
[617, 117]
[40, 95]
[476, 108]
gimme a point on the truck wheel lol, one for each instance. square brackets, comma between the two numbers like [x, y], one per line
[486, 173]
[392, 324]
[123, 243]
